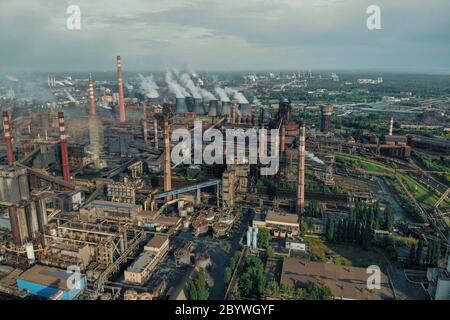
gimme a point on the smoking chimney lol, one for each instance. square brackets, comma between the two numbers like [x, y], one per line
[327, 111]
[301, 171]
[198, 106]
[122, 117]
[180, 105]
[167, 168]
[64, 152]
[391, 126]
[8, 138]
[92, 110]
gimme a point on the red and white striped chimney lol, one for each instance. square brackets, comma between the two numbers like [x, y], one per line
[64, 151]
[92, 110]
[122, 117]
[8, 138]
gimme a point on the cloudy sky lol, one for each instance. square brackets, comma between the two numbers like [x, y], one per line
[225, 35]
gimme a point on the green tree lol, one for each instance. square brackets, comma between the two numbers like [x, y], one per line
[273, 289]
[288, 290]
[228, 274]
[389, 219]
[197, 288]
[263, 238]
[331, 225]
[270, 252]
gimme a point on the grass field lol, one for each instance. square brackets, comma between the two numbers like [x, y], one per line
[343, 253]
[360, 162]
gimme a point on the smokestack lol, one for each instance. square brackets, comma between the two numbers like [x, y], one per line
[8, 138]
[301, 171]
[144, 122]
[92, 110]
[64, 152]
[155, 127]
[391, 126]
[167, 168]
[226, 108]
[327, 111]
[198, 106]
[122, 117]
[213, 106]
[180, 106]
[283, 139]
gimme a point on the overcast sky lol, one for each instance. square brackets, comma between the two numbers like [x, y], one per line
[225, 35]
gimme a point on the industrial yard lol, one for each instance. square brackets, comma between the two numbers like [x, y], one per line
[224, 185]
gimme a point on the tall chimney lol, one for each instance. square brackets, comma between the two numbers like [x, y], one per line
[327, 111]
[144, 122]
[92, 110]
[301, 171]
[155, 126]
[122, 117]
[8, 138]
[391, 126]
[167, 168]
[283, 139]
[64, 152]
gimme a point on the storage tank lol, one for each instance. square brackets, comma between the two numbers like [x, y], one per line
[255, 238]
[249, 237]
[30, 252]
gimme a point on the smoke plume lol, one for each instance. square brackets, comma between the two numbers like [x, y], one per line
[148, 86]
[237, 95]
[313, 157]
[222, 94]
[174, 86]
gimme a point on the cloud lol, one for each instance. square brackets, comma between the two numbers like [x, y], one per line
[217, 34]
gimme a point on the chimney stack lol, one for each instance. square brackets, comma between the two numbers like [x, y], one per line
[283, 139]
[144, 122]
[167, 168]
[155, 126]
[92, 110]
[301, 171]
[122, 117]
[391, 126]
[64, 152]
[8, 138]
[327, 111]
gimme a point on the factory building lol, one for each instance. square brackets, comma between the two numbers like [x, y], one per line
[159, 244]
[51, 283]
[140, 270]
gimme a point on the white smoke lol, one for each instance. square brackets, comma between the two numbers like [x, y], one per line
[189, 84]
[69, 96]
[237, 95]
[11, 78]
[207, 95]
[222, 94]
[174, 87]
[148, 86]
[313, 157]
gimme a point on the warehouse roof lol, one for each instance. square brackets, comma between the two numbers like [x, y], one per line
[157, 241]
[47, 276]
[287, 218]
[345, 282]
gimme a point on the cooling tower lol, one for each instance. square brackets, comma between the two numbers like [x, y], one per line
[198, 106]
[213, 106]
[180, 105]
[245, 109]
[226, 108]
[190, 104]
